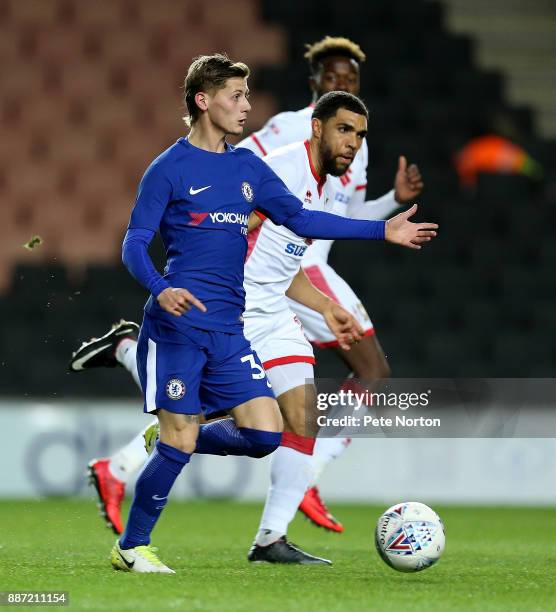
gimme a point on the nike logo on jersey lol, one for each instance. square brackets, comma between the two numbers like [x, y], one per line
[196, 191]
[159, 498]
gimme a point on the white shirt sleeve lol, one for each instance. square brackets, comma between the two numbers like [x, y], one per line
[278, 131]
[290, 172]
[372, 210]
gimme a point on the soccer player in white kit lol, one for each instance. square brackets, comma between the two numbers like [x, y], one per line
[334, 65]
[338, 130]
[273, 261]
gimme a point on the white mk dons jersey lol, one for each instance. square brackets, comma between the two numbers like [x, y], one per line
[347, 191]
[275, 252]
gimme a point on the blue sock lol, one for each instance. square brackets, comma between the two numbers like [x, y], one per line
[224, 438]
[151, 493]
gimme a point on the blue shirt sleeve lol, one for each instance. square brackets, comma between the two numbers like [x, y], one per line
[154, 193]
[273, 198]
[136, 259]
[318, 224]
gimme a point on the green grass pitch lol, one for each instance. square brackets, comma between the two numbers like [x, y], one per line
[495, 559]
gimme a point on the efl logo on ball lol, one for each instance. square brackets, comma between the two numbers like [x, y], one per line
[175, 389]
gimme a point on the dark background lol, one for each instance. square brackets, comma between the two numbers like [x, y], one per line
[90, 93]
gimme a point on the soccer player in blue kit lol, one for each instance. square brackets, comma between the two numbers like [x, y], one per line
[192, 354]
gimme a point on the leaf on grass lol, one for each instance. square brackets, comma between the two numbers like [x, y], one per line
[34, 242]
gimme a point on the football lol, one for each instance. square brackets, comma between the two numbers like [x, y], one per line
[410, 537]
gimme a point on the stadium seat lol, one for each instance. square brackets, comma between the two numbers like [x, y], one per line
[125, 46]
[519, 352]
[23, 82]
[169, 15]
[543, 313]
[58, 44]
[33, 13]
[260, 47]
[240, 15]
[10, 46]
[32, 181]
[520, 283]
[100, 14]
[84, 81]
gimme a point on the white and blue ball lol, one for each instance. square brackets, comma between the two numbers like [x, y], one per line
[410, 537]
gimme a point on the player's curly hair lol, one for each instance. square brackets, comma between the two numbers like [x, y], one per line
[332, 45]
[209, 73]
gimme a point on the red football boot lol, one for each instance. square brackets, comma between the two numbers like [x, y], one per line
[110, 493]
[316, 511]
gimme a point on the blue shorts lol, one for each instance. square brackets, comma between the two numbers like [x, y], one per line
[194, 370]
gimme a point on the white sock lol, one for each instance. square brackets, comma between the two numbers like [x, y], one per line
[125, 462]
[290, 475]
[126, 354]
[326, 449]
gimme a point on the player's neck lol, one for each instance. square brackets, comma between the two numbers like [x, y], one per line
[315, 157]
[208, 138]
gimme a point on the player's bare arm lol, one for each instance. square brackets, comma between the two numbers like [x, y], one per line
[178, 301]
[400, 230]
[341, 323]
[254, 222]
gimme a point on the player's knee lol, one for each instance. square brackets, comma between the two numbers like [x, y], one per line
[184, 438]
[262, 443]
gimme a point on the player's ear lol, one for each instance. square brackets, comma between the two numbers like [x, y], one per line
[316, 128]
[201, 100]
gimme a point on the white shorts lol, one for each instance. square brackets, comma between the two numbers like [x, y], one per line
[334, 286]
[278, 340]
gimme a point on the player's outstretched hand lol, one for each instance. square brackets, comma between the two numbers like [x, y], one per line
[408, 182]
[178, 301]
[343, 325]
[400, 230]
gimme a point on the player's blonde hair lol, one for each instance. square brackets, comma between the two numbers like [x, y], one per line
[209, 73]
[332, 45]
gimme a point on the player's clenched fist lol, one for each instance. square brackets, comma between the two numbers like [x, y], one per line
[342, 324]
[400, 230]
[178, 301]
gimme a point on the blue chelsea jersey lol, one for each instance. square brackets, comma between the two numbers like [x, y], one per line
[201, 201]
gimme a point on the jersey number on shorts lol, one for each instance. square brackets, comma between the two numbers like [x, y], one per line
[258, 372]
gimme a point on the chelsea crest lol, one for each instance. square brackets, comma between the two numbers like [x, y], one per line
[247, 191]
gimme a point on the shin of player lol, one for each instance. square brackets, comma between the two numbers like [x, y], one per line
[291, 464]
